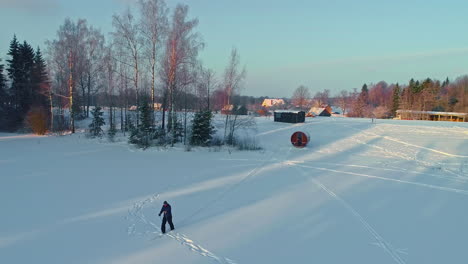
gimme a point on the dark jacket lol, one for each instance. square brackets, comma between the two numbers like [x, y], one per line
[167, 209]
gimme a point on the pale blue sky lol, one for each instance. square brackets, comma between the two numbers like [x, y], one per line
[323, 44]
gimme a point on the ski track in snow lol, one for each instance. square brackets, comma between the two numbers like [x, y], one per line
[455, 179]
[181, 238]
[190, 244]
[288, 128]
[430, 186]
[223, 194]
[185, 241]
[381, 242]
[264, 164]
[403, 155]
[367, 132]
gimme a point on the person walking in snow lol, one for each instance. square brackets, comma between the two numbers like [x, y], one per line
[167, 217]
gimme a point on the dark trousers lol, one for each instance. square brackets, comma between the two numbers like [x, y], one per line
[163, 225]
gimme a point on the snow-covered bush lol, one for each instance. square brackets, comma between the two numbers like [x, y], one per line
[381, 112]
[246, 144]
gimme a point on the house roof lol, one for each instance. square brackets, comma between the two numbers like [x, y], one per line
[316, 110]
[271, 102]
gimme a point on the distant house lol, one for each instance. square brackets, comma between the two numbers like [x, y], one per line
[336, 110]
[157, 106]
[289, 116]
[227, 109]
[320, 111]
[272, 102]
[431, 115]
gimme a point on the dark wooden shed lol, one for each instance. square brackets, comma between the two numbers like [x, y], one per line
[289, 116]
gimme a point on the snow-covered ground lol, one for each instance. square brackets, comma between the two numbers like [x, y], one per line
[390, 192]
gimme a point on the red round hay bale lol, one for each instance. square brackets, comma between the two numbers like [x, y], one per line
[300, 139]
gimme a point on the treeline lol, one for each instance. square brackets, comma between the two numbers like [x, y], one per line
[24, 88]
[147, 76]
[150, 59]
[382, 100]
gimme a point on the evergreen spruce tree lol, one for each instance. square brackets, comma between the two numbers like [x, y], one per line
[202, 129]
[411, 83]
[27, 66]
[3, 100]
[396, 99]
[20, 68]
[446, 82]
[145, 126]
[143, 134]
[417, 87]
[14, 72]
[40, 81]
[134, 136]
[95, 129]
[112, 132]
[365, 94]
[145, 118]
[360, 106]
[364, 88]
[3, 91]
[196, 137]
[177, 131]
[242, 110]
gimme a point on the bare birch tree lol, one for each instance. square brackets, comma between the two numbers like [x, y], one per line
[110, 70]
[233, 76]
[66, 52]
[301, 97]
[232, 84]
[181, 52]
[343, 101]
[206, 83]
[322, 98]
[153, 25]
[127, 36]
[93, 64]
[123, 84]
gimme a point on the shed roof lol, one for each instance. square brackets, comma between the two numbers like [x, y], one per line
[288, 111]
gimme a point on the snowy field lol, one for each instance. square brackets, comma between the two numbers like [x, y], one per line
[390, 192]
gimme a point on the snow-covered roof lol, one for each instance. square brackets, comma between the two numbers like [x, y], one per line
[288, 111]
[316, 110]
[271, 102]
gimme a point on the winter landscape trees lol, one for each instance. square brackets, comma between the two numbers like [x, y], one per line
[301, 97]
[382, 100]
[150, 62]
[151, 57]
[23, 88]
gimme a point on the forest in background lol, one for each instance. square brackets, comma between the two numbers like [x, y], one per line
[152, 58]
